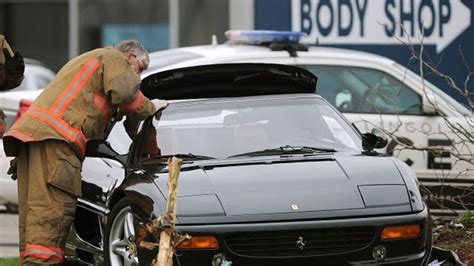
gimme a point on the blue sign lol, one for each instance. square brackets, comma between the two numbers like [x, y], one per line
[380, 26]
[154, 37]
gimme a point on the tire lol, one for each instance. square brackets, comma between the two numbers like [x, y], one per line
[119, 240]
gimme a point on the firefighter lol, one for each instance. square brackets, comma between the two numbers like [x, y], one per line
[49, 140]
[12, 67]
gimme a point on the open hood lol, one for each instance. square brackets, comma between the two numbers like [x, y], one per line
[228, 80]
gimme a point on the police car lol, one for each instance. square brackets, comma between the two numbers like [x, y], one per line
[37, 76]
[370, 90]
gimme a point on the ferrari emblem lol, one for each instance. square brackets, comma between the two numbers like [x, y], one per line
[300, 243]
[132, 248]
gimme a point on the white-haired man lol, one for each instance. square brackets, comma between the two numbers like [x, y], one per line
[50, 139]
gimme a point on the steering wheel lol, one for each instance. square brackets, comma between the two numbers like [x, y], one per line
[364, 100]
[345, 106]
[376, 92]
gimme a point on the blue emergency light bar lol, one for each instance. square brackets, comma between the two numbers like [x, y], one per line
[263, 36]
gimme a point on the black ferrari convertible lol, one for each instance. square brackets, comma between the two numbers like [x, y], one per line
[272, 174]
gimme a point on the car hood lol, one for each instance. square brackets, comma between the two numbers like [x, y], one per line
[278, 189]
[228, 80]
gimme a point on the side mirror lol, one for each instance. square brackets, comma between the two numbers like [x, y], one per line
[374, 140]
[101, 148]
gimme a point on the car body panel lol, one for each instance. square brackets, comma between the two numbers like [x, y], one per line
[420, 130]
[235, 197]
[228, 80]
[10, 102]
[220, 226]
[299, 229]
[99, 177]
[424, 130]
[341, 57]
[273, 186]
[276, 187]
[36, 77]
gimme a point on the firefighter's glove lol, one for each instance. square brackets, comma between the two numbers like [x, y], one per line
[13, 169]
[14, 65]
[159, 104]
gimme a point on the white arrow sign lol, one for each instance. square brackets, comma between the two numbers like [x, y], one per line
[380, 22]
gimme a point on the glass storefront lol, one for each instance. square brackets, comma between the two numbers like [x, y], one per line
[40, 29]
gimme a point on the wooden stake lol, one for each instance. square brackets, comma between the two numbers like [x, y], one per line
[167, 221]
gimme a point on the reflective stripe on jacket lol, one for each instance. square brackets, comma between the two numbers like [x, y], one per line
[77, 105]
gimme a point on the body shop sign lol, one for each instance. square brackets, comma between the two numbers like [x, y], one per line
[380, 22]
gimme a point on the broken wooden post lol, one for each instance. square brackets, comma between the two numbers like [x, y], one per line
[167, 221]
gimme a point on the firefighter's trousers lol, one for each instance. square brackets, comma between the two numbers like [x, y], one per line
[49, 182]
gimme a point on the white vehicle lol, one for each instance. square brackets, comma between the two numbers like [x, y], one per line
[10, 104]
[370, 90]
[37, 76]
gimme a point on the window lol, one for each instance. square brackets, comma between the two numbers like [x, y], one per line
[119, 139]
[221, 129]
[363, 90]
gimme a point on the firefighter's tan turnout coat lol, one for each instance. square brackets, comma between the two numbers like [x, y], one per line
[77, 105]
[50, 139]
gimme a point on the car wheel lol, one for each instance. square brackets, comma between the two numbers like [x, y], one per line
[120, 248]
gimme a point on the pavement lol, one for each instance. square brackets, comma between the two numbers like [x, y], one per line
[8, 235]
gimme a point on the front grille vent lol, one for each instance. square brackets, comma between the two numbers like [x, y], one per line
[300, 243]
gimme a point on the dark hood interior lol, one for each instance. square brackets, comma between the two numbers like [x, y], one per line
[228, 80]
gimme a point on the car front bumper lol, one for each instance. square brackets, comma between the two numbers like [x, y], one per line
[412, 251]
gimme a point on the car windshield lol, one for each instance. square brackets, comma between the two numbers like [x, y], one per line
[233, 127]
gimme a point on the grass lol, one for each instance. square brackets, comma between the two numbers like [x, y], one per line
[467, 219]
[9, 261]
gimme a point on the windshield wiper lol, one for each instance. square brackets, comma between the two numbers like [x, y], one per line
[287, 149]
[183, 156]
